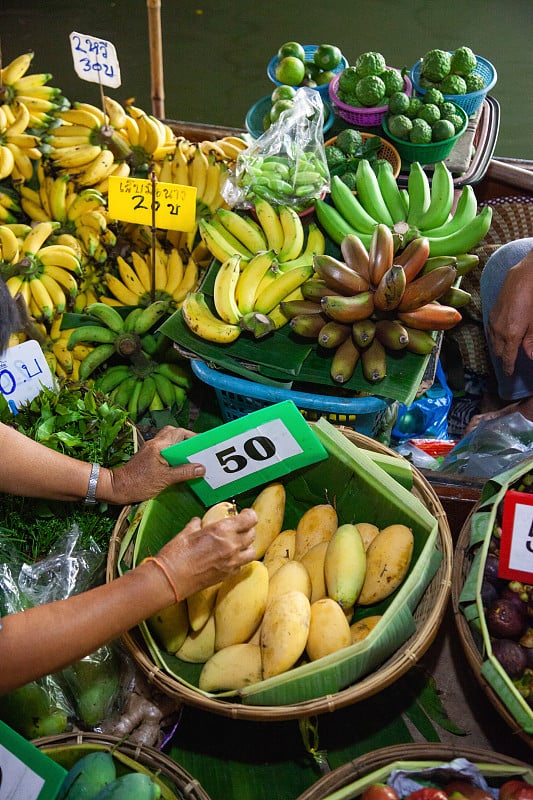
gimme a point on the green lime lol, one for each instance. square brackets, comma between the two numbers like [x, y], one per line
[290, 70]
[311, 70]
[291, 49]
[278, 108]
[327, 56]
[326, 76]
[282, 92]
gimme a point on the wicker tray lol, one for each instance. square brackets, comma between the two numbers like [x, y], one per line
[427, 616]
[65, 747]
[365, 767]
[461, 568]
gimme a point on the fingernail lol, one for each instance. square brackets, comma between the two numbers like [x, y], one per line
[199, 471]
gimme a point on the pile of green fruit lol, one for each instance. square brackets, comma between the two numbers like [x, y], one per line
[422, 120]
[369, 82]
[296, 69]
[346, 151]
[451, 72]
[282, 99]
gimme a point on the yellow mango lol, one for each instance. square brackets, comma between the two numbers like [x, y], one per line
[170, 626]
[284, 632]
[274, 564]
[283, 545]
[218, 512]
[199, 645]
[317, 524]
[200, 605]
[291, 575]
[329, 630]
[231, 668]
[360, 629]
[313, 561]
[387, 561]
[368, 532]
[345, 565]
[269, 506]
[240, 604]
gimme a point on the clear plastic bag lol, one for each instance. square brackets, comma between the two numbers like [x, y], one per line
[287, 164]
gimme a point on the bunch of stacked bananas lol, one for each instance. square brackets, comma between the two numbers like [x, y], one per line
[423, 209]
[18, 148]
[43, 273]
[262, 264]
[374, 302]
[64, 362]
[10, 208]
[160, 274]
[152, 388]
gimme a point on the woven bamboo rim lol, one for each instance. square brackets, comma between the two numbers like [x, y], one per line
[364, 765]
[157, 762]
[428, 616]
[461, 568]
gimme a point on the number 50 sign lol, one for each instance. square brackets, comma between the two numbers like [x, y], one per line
[249, 451]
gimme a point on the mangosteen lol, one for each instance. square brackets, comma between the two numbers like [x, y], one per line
[504, 619]
[511, 656]
[512, 592]
[490, 571]
[488, 593]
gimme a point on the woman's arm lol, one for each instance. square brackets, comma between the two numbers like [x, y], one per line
[31, 469]
[47, 638]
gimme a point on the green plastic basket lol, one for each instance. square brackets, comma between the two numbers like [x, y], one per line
[426, 153]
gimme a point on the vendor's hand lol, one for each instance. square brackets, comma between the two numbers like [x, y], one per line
[510, 325]
[200, 557]
[147, 472]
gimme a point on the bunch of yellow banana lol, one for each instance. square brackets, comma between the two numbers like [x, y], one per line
[10, 208]
[160, 274]
[66, 362]
[43, 273]
[423, 209]
[150, 138]
[90, 286]
[29, 90]
[18, 149]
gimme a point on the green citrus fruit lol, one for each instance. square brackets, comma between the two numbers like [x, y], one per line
[326, 76]
[282, 92]
[311, 70]
[278, 108]
[327, 56]
[291, 49]
[290, 70]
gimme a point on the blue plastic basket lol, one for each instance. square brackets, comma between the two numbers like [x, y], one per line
[309, 53]
[238, 397]
[257, 112]
[468, 102]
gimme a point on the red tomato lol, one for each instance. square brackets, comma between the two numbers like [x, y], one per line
[516, 790]
[379, 791]
[466, 790]
[427, 793]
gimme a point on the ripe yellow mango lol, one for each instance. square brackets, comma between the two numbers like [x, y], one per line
[231, 668]
[200, 605]
[240, 604]
[387, 561]
[368, 532]
[317, 524]
[218, 512]
[329, 630]
[313, 561]
[269, 506]
[345, 565]
[198, 646]
[170, 626]
[282, 546]
[284, 632]
[362, 627]
[291, 575]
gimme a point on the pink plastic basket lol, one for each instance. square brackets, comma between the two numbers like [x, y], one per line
[359, 115]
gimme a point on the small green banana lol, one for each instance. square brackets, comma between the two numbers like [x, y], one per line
[95, 359]
[369, 193]
[419, 192]
[107, 315]
[91, 333]
[149, 316]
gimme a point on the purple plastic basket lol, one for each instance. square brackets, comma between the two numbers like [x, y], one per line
[360, 115]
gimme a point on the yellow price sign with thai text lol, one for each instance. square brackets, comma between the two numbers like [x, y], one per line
[140, 200]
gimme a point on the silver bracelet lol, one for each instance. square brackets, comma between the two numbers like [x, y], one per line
[90, 498]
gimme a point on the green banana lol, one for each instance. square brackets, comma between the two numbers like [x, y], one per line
[112, 377]
[370, 194]
[466, 262]
[131, 319]
[284, 284]
[438, 261]
[224, 289]
[441, 198]
[392, 334]
[149, 317]
[374, 361]
[146, 395]
[122, 392]
[293, 308]
[344, 361]
[349, 206]
[455, 297]
[89, 775]
[465, 211]
[333, 334]
[107, 315]
[307, 325]
[165, 388]
[419, 192]
[335, 225]
[176, 374]
[420, 342]
[200, 320]
[465, 238]
[131, 785]
[391, 192]
[363, 331]
[95, 359]
[133, 400]
[315, 289]
[91, 333]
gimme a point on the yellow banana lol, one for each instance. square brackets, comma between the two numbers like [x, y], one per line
[16, 68]
[35, 211]
[21, 121]
[250, 279]
[89, 239]
[62, 276]
[180, 166]
[129, 277]
[158, 266]
[189, 282]
[83, 117]
[245, 229]
[9, 245]
[175, 271]
[293, 234]
[97, 169]
[63, 355]
[224, 290]
[55, 291]
[79, 155]
[7, 162]
[142, 270]
[37, 105]
[85, 200]
[116, 112]
[200, 320]
[14, 284]
[23, 167]
[218, 244]
[278, 289]
[94, 219]
[212, 182]
[38, 236]
[67, 130]
[57, 197]
[33, 81]
[122, 293]
[132, 131]
[198, 172]
[42, 299]
[270, 222]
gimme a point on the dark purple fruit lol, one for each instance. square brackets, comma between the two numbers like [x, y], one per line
[511, 656]
[514, 597]
[490, 571]
[489, 593]
[504, 620]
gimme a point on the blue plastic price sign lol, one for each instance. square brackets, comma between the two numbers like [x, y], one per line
[95, 60]
[134, 199]
[249, 451]
[25, 772]
[516, 540]
[23, 374]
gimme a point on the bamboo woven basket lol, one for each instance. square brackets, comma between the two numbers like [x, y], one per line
[65, 747]
[366, 767]
[461, 567]
[427, 616]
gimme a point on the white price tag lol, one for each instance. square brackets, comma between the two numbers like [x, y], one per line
[95, 60]
[23, 373]
[516, 540]
[26, 773]
[17, 780]
[247, 453]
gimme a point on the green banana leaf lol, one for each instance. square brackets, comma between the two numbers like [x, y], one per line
[362, 491]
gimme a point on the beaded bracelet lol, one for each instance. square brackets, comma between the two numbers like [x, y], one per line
[90, 498]
[166, 573]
